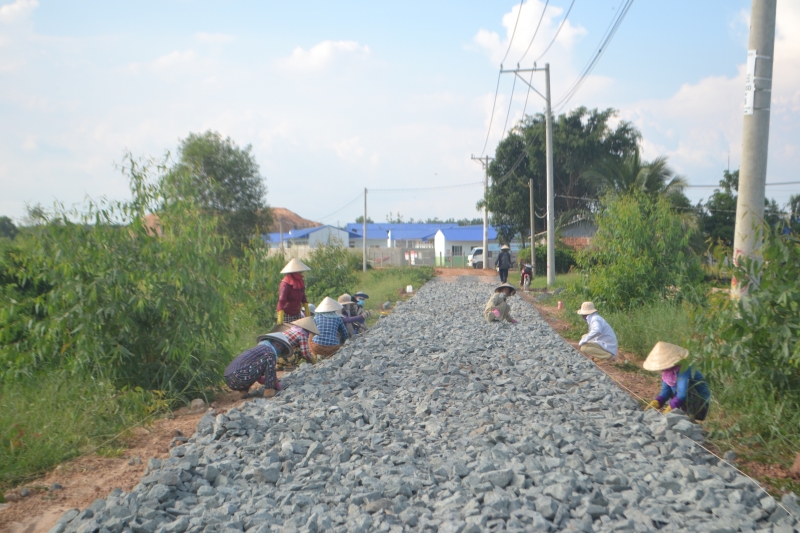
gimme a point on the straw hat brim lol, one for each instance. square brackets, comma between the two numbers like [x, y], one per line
[280, 328]
[329, 305]
[505, 247]
[294, 266]
[307, 324]
[278, 338]
[589, 309]
[345, 299]
[663, 356]
[506, 286]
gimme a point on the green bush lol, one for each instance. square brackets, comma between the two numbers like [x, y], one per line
[332, 273]
[133, 303]
[639, 254]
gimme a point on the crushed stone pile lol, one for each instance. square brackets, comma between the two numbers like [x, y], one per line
[438, 421]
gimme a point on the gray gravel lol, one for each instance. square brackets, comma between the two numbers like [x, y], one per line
[436, 420]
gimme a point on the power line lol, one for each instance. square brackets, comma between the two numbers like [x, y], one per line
[510, 41]
[557, 32]
[673, 207]
[510, 102]
[429, 188]
[534, 32]
[491, 118]
[344, 207]
[766, 184]
[604, 43]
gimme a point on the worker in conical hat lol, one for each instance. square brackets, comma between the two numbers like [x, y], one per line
[332, 331]
[298, 333]
[497, 308]
[257, 365]
[601, 341]
[686, 390]
[292, 292]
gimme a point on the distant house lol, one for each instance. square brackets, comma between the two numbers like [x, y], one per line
[311, 237]
[576, 234]
[390, 235]
[458, 242]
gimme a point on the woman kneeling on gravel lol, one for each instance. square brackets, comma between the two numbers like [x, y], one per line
[257, 364]
[497, 308]
[332, 331]
[685, 390]
[298, 333]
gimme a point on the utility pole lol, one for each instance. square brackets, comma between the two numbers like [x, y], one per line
[364, 235]
[551, 230]
[485, 162]
[755, 133]
[533, 233]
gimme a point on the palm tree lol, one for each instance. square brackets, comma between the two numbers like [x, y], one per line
[633, 173]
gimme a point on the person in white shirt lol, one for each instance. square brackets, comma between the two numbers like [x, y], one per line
[601, 341]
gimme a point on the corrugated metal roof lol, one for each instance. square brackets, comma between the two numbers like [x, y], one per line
[468, 233]
[301, 234]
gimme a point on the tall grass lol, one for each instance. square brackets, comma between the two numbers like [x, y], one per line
[638, 330]
[55, 417]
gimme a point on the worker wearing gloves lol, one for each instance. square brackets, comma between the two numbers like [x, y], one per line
[292, 293]
[686, 390]
[497, 308]
[601, 341]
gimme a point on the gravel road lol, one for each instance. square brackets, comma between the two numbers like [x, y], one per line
[436, 420]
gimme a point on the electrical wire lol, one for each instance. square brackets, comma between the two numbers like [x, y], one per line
[557, 32]
[766, 185]
[599, 51]
[491, 118]
[508, 113]
[525, 107]
[348, 204]
[510, 41]
[534, 32]
[429, 188]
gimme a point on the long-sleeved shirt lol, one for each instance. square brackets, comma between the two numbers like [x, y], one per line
[600, 333]
[331, 329]
[678, 394]
[290, 300]
[298, 337]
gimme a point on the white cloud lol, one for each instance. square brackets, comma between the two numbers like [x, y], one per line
[166, 62]
[322, 55]
[350, 150]
[214, 38]
[17, 10]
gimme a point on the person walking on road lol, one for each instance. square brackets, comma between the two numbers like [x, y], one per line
[686, 390]
[292, 292]
[601, 341]
[503, 263]
[497, 308]
[332, 331]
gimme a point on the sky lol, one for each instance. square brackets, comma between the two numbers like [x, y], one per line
[335, 97]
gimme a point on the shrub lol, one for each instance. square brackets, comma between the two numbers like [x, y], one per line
[135, 301]
[331, 273]
[639, 254]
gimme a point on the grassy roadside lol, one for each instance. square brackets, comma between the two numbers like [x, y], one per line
[762, 431]
[389, 284]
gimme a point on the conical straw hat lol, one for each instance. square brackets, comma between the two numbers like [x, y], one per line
[295, 265]
[307, 324]
[663, 356]
[345, 299]
[280, 328]
[505, 247]
[587, 308]
[329, 305]
[506, 285]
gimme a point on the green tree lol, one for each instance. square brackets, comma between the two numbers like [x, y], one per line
[794, 213]
[360, 220]
[224, 180]
[640, 252]
[581, 140]
[632, 173]
[7, 228]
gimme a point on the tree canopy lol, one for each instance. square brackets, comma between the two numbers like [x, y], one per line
[224, 180]
[7, 228]
[582, 139]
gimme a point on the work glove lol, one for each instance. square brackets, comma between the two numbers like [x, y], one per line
[653, 405]
[496, 313]
[514, 321]
[306, 309]
[667, 409]
[280, 317]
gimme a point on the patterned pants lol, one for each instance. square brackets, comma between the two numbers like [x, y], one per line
[242, 378]
[322, 351]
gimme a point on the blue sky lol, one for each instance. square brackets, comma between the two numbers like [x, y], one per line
[335, 97]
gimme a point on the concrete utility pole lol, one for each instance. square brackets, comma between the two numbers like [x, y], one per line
[551, 229]
[364, 235]
[485, 162]
[755, 134]
[533, 233]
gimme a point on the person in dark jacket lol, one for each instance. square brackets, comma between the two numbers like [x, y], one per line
[292, 293]
[503, 263]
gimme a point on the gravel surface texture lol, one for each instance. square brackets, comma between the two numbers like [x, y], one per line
[436, 420]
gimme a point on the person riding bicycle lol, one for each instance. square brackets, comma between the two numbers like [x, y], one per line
[526, 269]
